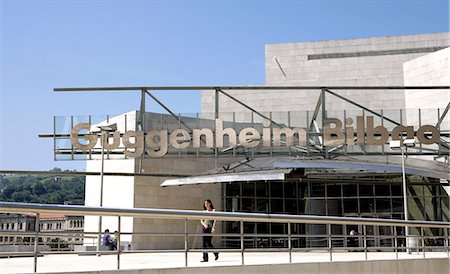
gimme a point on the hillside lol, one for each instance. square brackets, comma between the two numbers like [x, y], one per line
[42, 189]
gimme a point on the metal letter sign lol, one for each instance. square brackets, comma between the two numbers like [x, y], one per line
[156, 143]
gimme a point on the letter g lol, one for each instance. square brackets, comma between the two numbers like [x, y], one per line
[91, 138]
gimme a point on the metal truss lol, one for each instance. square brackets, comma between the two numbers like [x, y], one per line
[315, 145]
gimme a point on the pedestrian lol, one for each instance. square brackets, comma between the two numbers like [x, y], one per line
[208, 227]
[352, 240]
[107, 240]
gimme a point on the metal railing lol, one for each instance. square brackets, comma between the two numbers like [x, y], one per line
[326, 241]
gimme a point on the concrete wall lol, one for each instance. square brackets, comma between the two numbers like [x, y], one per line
[118, 191]
[413, 266]
[146, 192]
[371, 61]
[149, 194]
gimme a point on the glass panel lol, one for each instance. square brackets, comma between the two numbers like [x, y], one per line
[248, 205]
[232, 189]
[249, 228]
[350, 190]
[365, 190]
[248, 189]
[351, 205]
[276, 189]
[63, 124]
[262, 228]
[333, 190]
[302, 206]
[317, 190]
[397, 205]
[276, 206]
[262, 205]
[417, 190]
[367, 205]
[277, 228]
[416, 208]
[382, 190]
[290, 189]
[383, 205]
[262, 189]
[396, 190]
[302, 190]
[290, 206]
[228, 204]
[334, 207]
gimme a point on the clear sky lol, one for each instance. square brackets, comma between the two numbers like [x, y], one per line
[49, 44]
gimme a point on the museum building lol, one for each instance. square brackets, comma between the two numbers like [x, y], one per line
[316, 139]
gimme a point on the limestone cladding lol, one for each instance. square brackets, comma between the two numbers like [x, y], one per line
[149, 194]
[428, 70]
[375, 61]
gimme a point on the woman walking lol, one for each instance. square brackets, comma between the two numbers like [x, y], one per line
[208, 227]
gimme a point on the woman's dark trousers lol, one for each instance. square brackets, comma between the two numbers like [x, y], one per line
[206, 242]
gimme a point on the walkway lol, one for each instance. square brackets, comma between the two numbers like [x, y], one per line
[75, 263]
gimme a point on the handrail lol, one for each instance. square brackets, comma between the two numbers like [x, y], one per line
[265, 87]
[326, 238]
[193, 214]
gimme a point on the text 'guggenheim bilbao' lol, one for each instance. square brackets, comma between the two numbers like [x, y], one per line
[157, 142]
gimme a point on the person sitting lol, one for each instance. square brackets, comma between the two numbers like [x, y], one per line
[108, 242]
[115, 238]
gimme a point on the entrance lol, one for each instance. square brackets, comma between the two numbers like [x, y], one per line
[376, 236]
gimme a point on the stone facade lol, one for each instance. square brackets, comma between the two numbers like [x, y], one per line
[47, 223]
[375, 61]
[428, 70]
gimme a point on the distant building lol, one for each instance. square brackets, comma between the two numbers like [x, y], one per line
[48, 223]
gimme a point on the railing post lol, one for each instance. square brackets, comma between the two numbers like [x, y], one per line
[185, 242]
[242, 241]
[329, 241]
[422, 235]
[396, 242]
[36, 240]
[365, 241]
[447, 241]
[289, 242]
[119, 220]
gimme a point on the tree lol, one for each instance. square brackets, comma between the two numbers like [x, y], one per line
[21, 196]
[39, 188]
[42, 189]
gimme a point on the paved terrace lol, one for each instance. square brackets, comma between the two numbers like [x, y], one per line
[174, 262]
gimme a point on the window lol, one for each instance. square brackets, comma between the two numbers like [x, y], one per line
[262, 189]
[366, 190]
[350, 190]
[290, 189]
[276, 189]
[333, 190]
[351, 205]
[382, 190]
[248, 189]
[367, 205]
[232, 189]
[317, 189]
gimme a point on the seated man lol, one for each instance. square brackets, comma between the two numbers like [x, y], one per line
[107, 241]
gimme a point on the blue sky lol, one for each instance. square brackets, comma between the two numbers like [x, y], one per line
[49, 44]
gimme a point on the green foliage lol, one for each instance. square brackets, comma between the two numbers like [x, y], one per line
[42, 189]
